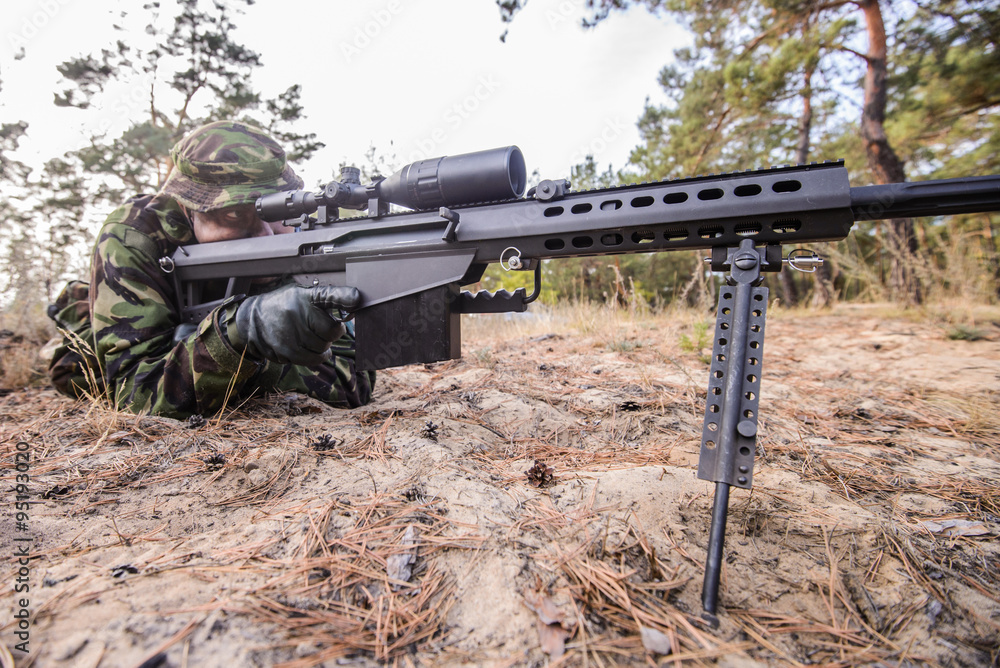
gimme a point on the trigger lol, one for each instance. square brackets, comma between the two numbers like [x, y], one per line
[340, 315]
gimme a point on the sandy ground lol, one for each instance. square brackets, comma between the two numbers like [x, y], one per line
[409, 531]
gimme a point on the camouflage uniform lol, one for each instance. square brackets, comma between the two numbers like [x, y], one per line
[72, 363]
[134, 306]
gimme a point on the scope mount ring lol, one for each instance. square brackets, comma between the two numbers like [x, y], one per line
[513, 263]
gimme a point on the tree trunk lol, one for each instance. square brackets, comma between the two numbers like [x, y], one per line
[901, 242]
[823, 292]
[805, 120]
[991, 248]
[789, 291]
[823, 286]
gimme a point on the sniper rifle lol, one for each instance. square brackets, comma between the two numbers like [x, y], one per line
[467, 212]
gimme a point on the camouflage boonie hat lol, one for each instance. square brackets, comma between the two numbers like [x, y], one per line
[226, 163]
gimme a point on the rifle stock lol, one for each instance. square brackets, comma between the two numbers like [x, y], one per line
[410, 266]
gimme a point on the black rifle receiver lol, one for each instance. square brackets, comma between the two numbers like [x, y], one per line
[469, 213]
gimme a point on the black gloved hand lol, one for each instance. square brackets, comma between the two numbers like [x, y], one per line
[292, 325]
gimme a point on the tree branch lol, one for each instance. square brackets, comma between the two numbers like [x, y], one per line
[837, 5]
[711, 140]
[863, 56]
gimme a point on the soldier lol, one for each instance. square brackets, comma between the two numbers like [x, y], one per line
[134, 346]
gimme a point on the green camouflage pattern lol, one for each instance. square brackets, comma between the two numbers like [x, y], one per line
[72, 363]
[134, 312]
[225, 164]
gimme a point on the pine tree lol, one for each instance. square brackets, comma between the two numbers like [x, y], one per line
[766, 81]
[187, 69]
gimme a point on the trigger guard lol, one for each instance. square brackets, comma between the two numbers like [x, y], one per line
[341, 315]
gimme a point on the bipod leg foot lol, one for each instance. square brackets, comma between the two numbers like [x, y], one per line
[713, 563]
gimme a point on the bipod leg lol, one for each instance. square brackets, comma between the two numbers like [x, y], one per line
[729, 434]
[713, 563]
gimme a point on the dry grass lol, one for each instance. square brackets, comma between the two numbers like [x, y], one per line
[339, 594]
[22, 335]
[280, 532]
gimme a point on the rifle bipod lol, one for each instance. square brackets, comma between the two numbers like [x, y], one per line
[729, 434]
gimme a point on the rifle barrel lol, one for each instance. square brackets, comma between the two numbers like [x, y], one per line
[945, 197]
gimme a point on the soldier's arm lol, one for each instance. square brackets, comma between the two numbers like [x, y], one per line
[134, 317]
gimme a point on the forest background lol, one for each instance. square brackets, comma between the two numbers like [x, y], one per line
[879, 430]
[902, 90]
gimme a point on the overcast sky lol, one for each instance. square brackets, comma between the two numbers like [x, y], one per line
[414, 78]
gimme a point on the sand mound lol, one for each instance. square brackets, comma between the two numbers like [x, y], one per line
[409, 531]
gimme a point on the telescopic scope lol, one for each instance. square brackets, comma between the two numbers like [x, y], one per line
[483, 176]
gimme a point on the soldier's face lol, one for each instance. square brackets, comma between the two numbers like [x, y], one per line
[233, 222]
